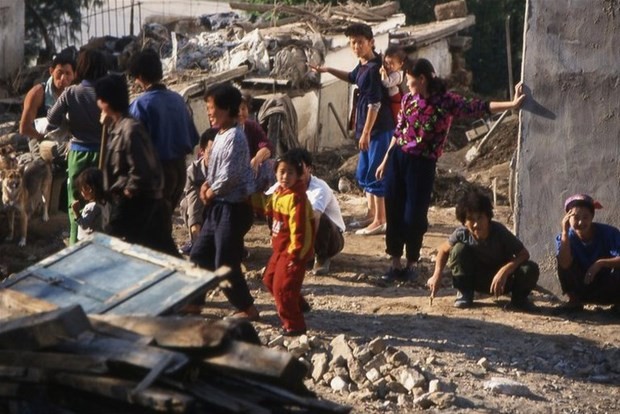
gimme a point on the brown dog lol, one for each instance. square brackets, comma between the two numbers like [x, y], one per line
[24, 192]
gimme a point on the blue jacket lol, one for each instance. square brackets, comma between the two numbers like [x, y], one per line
[166, 117]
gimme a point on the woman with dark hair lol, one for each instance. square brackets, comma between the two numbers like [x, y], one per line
[78, 107]
[588, 255]
[132, 173]
[408, 167]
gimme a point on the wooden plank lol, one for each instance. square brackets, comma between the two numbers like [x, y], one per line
[231, 402]
[115, 331]
[153, 374]
[51, 361]
[14, 303]
[173, 332]
[122, 351]
[259, 362]
[43, 329]
[157, 399]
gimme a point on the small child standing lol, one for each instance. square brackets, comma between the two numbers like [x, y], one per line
[191, 207]
[292, 238]
[392, 76]
[484, 256]
[90, 185]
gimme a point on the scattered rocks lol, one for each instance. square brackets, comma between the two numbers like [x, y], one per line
[368, 372]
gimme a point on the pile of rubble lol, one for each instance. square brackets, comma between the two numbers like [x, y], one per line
[371, 372]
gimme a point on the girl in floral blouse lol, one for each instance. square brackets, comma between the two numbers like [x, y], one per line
[409, 170]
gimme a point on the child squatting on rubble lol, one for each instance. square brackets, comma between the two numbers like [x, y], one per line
[484, 256]
[89, 184]
[292, 235]
[588, 255]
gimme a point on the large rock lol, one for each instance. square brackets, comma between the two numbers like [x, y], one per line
[319, 366]
[507, 386]
[340, 348]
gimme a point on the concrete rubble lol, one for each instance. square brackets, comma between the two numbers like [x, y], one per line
[372, 371]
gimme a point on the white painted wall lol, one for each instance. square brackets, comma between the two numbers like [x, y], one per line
[12, 15]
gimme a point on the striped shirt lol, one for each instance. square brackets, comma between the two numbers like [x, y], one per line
[230, 175]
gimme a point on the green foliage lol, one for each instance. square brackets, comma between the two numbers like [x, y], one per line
[44, 18]
[487, 58]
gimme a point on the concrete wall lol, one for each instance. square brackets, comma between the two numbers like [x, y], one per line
[12, 15]
[570, 127]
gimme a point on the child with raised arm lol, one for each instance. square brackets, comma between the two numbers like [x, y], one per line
[408, 168]
[292, 236]
[392, 76]
[484, 256]
[373, 120]
[90, 186]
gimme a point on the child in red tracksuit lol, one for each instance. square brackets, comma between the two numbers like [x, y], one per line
[292, 238]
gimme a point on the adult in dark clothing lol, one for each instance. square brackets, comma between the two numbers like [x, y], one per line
[132, 174]
[167, 119]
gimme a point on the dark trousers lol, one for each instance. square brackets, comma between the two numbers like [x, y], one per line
[409, 186]
[220, 243]
[470, 275]
[175, 174]
[604, 289]
[144, 221]
[284, 282]
[329, 240]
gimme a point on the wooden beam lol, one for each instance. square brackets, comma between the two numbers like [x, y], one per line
[14, 303]
[119, 350]
[157, 399]
[43, 329]
[52, 361]
[259, 362]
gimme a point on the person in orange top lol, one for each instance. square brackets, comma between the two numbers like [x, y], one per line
[292, 239]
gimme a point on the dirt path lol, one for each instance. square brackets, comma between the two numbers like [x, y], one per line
[569, 365]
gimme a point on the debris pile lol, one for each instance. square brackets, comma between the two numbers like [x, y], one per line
[369, 372]
[65, 360]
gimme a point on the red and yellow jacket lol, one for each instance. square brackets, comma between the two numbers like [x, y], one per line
[292, 230]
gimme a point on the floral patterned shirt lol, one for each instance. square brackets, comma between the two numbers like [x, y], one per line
[423, 124]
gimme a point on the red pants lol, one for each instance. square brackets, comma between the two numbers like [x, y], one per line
[284, 283]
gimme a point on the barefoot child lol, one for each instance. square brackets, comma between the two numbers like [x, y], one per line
[90, 186]
[292, 236]
[484, 256]
[392, 76]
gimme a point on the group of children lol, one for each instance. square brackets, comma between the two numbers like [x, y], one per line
[396, 170]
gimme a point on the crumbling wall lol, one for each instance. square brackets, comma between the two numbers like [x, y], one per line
[570, 131]
[12, 15]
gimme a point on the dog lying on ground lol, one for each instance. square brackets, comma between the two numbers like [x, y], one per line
[23, 192]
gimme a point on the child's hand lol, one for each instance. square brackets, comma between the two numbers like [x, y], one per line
[591, 273]
[499, 282]
[364, 141]
[434, 283]
[75, 207]
[566, 221]
[318, 69]
[519, 96]
[380, 172]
